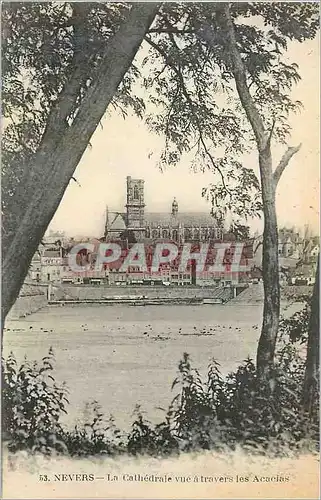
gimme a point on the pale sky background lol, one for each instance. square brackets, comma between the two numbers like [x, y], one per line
[123, 147]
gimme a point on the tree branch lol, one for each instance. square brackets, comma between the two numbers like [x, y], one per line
[291, 151]
[74, 179]
[177, 31]
[258, 246]
[188, 98]
[159, 73]
[238, 69]
[271, 132]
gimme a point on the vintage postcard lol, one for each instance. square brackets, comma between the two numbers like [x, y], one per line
[160, 250]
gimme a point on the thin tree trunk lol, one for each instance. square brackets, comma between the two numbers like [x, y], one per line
[61, 150]
[269, 180]
[267, 341]
[311, 378]
[270, 270]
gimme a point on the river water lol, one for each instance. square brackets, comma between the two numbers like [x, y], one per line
[124, 355]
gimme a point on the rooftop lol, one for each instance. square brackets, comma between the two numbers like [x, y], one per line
[186, 218]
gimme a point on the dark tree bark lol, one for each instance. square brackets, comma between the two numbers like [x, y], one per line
[62, 147]
[311, 378]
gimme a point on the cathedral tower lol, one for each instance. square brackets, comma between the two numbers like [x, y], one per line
[174, 208]
[135, 207]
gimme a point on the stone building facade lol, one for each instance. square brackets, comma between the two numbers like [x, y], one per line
[135, 207]
[174, 225]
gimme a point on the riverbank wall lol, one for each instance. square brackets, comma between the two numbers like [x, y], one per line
[254, 294]
[103, 293]
[32, 297]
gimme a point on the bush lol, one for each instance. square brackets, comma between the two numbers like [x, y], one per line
[97, 436]
[241, 410]
[193, 414]
[145, 438]
[32, 405]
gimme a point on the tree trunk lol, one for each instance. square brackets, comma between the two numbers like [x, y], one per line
[311, 378]
[266, 347]
[270, 271]
[269, 181]
[61, 150]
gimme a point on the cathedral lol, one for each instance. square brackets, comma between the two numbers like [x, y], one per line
[146, 226]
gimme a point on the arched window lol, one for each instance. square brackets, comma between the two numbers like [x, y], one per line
[175, 235]
[136, 193]
[165, 233]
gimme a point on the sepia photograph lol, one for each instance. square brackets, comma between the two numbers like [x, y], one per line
[160, 242]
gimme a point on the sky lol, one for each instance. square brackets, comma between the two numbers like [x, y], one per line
[124, 147]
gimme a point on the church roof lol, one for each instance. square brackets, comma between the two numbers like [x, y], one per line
[52, 253]
[118, 223]
[186, 218]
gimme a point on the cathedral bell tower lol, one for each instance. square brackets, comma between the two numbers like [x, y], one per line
[135, 207]
[174, 208]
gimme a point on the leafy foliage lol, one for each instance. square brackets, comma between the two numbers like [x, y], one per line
[187, 75]
[240, 231]
[240, 410]
[191, 89]
[145, 438]
[296, 327]
[48, 48]
[33, 404]
[95, 436]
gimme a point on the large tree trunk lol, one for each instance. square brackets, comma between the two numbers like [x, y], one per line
[311, 379]
[62, 147]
